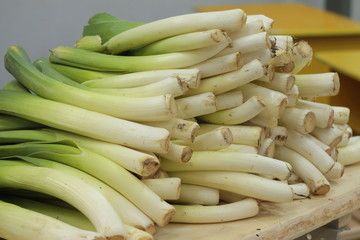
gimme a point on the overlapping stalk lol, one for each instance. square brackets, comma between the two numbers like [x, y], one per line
[212, 109]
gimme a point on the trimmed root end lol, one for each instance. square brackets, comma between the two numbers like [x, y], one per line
[186, 154]
[309, 122]
[217, 35]
[227, 135]
[322, 190]
[149, 167]
[167, 217]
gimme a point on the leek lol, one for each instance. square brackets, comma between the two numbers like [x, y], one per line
[83, 122]
[127, 211]
[182, 42]
[221, 213]
[68, 188]
[109, 172]
[238, 182]
[193, 194]
[103, 62]
[17, 63]
[143, 164]
[72, 217]
[231, 161]
[228, 21]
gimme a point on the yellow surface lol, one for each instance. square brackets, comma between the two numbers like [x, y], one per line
[296, 19]
[279, 221]
[345, 61]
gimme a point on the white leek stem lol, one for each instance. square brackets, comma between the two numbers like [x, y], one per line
[166, 188]
[318, 84]
[264, 56]
[75, 191]
[219, 65]
[322, 145]
[193, 194]
[182, 42]
[127, 211]
[315, 154]
[275, 104]
[249, 28]
[229, 21]
[170, 85]
[231, 80]
[238, 182]
[341, 114]
[301, 120]
[268, 22]
[281, 82]
[247, 135]
[240, 148]
[196, 105]
[275, 101]
[231, 161]
[177, 153]
[138, 162]
[212, 214]
[228, 100]
[246, 44]
[84, 122]
[178, 128]
[216, 139]
[246, 111]
[304, 169]
[279, 135]
[137, 79]
[323, 112]
[22, 224]
[330, 136]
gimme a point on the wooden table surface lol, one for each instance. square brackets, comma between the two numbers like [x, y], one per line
[296, 19]
[279, 221]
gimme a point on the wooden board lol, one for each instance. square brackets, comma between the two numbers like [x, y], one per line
[279, 221]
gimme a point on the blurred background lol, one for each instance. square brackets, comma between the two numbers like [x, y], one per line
[39, 25]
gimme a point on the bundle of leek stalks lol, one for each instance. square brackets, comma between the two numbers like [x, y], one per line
[197, 118]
